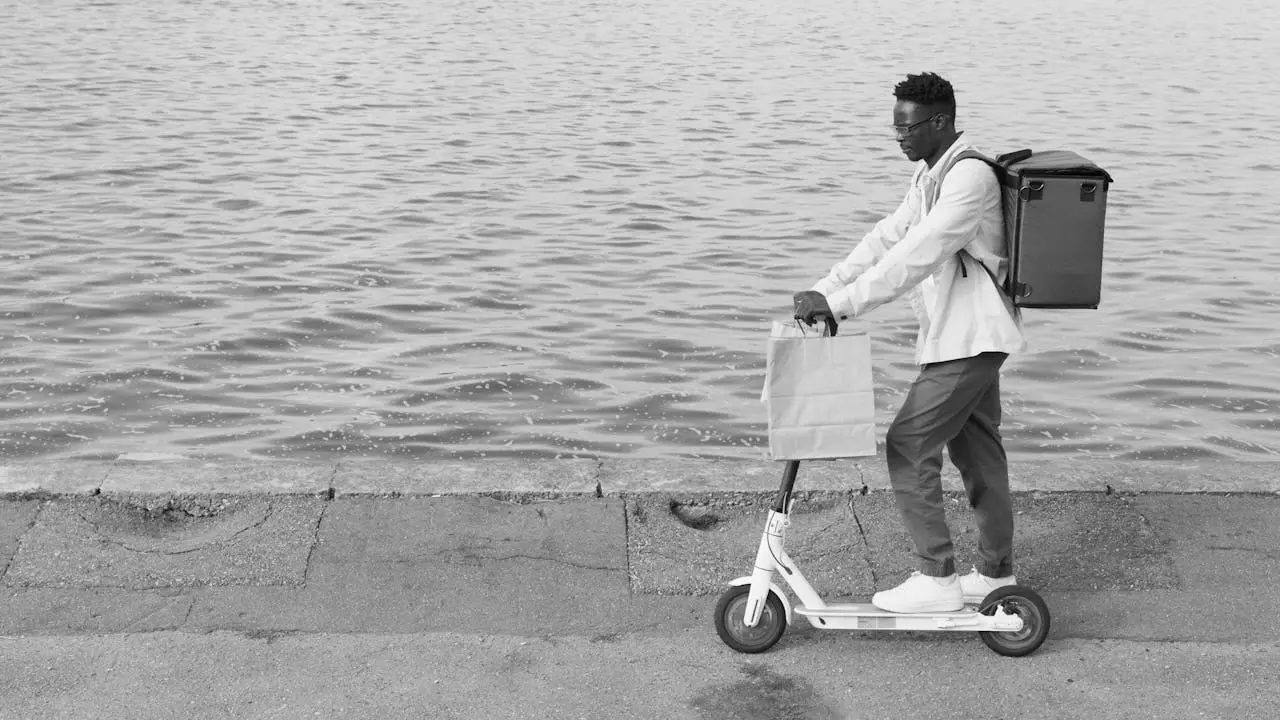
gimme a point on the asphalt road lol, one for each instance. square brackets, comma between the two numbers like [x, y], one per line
[810, 675]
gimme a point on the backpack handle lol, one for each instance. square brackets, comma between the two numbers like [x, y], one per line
[1016, 156]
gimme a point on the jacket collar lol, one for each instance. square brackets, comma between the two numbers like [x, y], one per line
[945, 161]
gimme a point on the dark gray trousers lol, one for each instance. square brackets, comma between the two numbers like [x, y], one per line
[956, 404]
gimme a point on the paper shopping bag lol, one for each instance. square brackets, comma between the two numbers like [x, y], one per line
[819, 394]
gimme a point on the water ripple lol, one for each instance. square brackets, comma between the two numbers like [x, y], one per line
[555, 228]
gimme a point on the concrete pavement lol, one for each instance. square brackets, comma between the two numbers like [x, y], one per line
[443, 589]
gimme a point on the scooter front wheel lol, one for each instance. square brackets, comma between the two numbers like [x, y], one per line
[731, 625]
[1026, 604]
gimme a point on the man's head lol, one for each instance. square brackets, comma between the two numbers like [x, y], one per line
[924, 116]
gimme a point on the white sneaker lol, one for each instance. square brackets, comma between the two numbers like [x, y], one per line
[975, 586]
[921, 594]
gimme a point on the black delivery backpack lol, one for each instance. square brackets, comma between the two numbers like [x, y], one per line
[1055, 206]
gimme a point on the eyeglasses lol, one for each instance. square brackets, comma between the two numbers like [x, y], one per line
[904, 130]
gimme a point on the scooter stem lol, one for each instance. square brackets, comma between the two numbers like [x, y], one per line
[772, 556]
[771, 544]
[782, 501]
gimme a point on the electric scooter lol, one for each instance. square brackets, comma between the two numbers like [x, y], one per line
[754, 612]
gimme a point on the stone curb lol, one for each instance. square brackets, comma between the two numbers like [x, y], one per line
[608, 477]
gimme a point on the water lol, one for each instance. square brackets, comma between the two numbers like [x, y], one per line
[561, 228]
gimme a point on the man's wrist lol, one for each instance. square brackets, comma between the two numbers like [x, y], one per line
[840, 306]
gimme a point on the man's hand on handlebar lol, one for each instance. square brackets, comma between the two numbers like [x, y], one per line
[811, 305]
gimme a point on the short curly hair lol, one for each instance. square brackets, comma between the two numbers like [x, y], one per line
[929, 89]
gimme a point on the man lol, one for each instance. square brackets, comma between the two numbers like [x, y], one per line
[945, 247]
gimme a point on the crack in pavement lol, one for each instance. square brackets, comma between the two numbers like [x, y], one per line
[17, 545]
[1235, 548]
[134, 623]
[626, 544]
[315, 542]
[866, 546]
[201, 541]
[191, 606]
[478, 561]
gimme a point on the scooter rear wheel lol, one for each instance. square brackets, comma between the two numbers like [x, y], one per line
[731, 614]
[1026, 604]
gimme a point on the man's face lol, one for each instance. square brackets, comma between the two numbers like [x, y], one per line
[916, 129]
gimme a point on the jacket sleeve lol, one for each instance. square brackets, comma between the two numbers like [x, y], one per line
[952, 224]
[868, 252]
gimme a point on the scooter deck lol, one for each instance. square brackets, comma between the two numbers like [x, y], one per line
[869, 610]
[865, 616]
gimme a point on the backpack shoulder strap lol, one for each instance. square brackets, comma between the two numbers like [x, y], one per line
[972, 154]
[967, 154]
[1000, 176]
[1000, 164]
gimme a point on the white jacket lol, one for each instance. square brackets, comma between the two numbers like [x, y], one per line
[917, 249]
